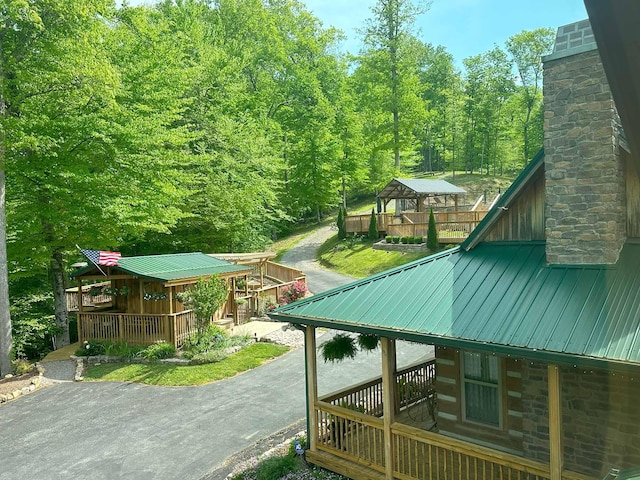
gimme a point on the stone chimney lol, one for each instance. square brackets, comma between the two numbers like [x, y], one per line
[585, 188]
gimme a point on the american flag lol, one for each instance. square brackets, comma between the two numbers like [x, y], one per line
[99, 257]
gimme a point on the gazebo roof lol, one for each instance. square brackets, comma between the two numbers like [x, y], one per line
[414, 188]
[171, 267]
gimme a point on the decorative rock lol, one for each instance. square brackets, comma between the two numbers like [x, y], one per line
[16, 393]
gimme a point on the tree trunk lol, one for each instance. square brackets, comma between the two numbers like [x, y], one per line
[59, 300]
[5, 316]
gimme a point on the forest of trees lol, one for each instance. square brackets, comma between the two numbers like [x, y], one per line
[198, 125]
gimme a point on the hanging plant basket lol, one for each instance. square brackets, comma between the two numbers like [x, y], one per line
[368, 341]
[338, 348]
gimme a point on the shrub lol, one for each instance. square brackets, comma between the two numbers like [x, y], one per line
[21, 366]
[432, 234]
[91, 348]
[213, 338]
[158, 351]
[341, 222]
[204, 298]
[296, 291]
[266, 303]
[419, 239]
[373, 226]
[388, 239]
[211, 356]
[396, 239]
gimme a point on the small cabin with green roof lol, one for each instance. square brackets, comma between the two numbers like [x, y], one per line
[144, 307]
[534, 320]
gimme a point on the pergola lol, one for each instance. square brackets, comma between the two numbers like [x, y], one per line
[418, 190]
[256, 259]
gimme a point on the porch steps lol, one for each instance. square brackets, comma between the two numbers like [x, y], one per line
[344, 467]
[226, 323]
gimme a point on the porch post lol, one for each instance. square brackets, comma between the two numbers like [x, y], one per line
[141, 296]
[170, 297]
[312, 385]
[80, 310]
[555, 423]
[389, 399]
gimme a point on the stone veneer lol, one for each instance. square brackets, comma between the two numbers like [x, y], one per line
[585, 191]
[600, 418]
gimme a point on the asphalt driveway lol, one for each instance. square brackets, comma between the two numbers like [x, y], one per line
[131, 431]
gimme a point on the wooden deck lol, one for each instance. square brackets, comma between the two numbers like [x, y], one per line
[452, 227]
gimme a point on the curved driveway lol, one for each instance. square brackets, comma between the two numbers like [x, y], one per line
[129, 431]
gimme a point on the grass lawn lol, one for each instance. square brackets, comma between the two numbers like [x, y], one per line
[170, 375]
[359, 260]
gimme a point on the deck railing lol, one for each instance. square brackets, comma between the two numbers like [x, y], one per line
[351, 435]
[414, 383]
[451, 226]
[419, 454]
[136, 329]
[283, 273]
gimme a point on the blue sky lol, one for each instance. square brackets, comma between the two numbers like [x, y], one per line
[464, 27]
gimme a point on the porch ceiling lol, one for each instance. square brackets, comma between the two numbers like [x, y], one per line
[500, 297]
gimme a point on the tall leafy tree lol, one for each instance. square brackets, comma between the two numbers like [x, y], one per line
[526, 50]
[93, 142]
[389, 62]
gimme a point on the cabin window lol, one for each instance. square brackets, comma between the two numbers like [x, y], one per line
[481, 388]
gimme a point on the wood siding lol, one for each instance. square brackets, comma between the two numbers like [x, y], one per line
[633, 198]
[524, 220]
[450, 415]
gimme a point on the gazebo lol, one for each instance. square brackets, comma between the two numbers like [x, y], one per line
[419, 193]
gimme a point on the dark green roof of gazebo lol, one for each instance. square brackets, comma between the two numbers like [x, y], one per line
[170, 267]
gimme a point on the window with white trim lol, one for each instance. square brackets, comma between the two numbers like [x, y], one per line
[481, 388]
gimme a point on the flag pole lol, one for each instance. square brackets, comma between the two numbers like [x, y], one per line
[97, 266]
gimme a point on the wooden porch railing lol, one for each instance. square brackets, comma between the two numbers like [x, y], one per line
[413, 382]
[351, 435]
[136, 329]
[419, 454]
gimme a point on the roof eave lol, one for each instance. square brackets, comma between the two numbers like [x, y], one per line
[505, 350]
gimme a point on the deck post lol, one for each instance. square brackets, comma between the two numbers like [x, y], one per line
[555, 423]
[311, 368]
[388, 399]
[80, 310]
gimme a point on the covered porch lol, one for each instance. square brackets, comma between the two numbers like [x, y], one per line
[143, 293]
[387, 428]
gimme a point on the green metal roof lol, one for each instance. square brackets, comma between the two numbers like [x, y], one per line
[171, 267]
[501, 297]
[397, 188]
